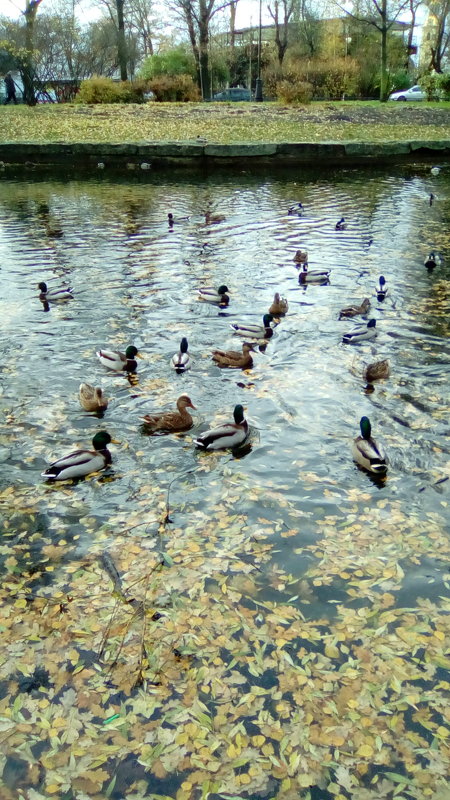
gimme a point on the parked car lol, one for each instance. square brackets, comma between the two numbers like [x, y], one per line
[414, 93]
[236, 93]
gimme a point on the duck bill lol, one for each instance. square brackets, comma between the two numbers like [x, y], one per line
[115, 441]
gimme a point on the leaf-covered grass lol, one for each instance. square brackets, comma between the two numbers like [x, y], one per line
[226, 122]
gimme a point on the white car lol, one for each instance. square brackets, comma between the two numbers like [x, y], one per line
[414, 93]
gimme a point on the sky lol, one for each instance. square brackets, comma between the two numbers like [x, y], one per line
[247, 11]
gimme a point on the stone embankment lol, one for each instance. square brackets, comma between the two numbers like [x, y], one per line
[202, 154]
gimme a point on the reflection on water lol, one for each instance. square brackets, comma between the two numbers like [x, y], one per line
[135, 281]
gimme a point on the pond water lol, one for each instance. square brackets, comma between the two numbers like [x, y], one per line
[289, 538]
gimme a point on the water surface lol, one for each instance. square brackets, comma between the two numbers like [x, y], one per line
[295, 513]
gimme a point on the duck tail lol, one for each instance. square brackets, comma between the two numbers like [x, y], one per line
[202, 444]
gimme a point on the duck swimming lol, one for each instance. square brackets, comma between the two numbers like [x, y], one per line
[217, 296]
[361, 334]
[279, 306]
[231, 434]
[181, 361]
[179, 420]
[171, 219]
[381, 289]
[92, 398]
[114, 359]
[251, 331]
[340, 225]
[233, 359]
[301, 257]
[82, 462]
[313, 276]
[377, 371]
[354, 311]
[54, 295]
[366, 452]
[296, 210]
[211, 219]
[433, 260]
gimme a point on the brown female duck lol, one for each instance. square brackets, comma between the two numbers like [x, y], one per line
[233, 359]
[179, 420]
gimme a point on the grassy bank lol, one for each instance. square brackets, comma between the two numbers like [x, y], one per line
[226, 122]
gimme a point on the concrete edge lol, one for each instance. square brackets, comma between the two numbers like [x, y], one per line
[197, 153]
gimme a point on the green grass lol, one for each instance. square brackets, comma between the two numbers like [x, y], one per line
[225, 122]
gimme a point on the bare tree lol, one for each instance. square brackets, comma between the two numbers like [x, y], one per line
[281, 12]
[309, 28]
[115, 9]
[381, 15]
[440, 9]
[413, 6]
[30, 13]
[142, 20]
[233, 7]
[196, 16]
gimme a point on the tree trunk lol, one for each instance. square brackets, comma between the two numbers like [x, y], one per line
[413, 11]
[189, 17]
[204, 59]
[233, 6]
[121, 42]
[383, 60]
[281, 27]
[28, 67]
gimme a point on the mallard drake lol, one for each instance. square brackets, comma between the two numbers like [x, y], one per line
[181, 361]
[313, 276]
[92, 398]
[366, 452]
[217, 296]
[301, 257]
[296, 210]
[233, 359]
[211, 219]
[252, 332]
[381, 289]
[54, 295]
[433, 260]
[279, 306]
[171, 219]
[231, 434]
[377, 371]
[82, 462]
[179, 420]
[114, 359]
[353, 311]
[361, 334]
[340, 225]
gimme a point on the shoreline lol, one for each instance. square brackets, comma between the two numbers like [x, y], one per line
[147, 154]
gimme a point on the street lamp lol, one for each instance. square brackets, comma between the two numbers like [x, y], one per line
[258, 85]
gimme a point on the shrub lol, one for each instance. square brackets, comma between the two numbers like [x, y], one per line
[399, 80]
[105, 90]
[294, 92]
[444, 85]
[318, 79]
[430, 84]
[174, 89]
[332, 78]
